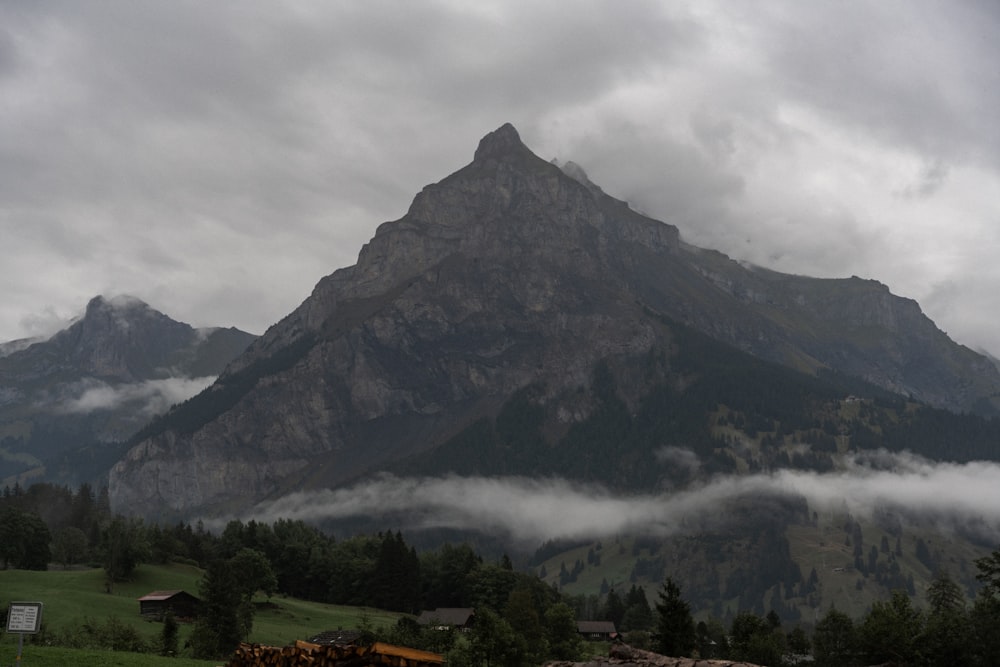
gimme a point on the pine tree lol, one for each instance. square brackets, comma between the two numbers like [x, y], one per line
[614, 608]
[169, 634]
[565, 643]
[944, 595]
[124, 547]
[638, 615]
[756, 640]
[675, 631]
[217, 631]
[989, 573]
[947, 638]
[395, 582]
[24, 540]
[890, 629]
[835, 640]
[523, 617]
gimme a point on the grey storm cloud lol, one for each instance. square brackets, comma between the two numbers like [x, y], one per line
[218, 159]
[532, 510]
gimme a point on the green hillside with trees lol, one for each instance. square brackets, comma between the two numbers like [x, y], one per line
[275, 583]
[79, 612]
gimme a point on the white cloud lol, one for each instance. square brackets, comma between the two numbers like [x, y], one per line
[153, 397]
[679, 458]
[533, 510]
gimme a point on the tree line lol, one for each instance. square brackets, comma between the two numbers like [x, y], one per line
[48, 523]
[893, 631]
[947, 632]
[520, 620]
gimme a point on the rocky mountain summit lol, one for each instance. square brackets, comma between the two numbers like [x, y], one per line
[123, 339]
[510, 273]
[99, 380]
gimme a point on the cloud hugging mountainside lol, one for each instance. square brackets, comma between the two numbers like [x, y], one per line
[511, 279]
[68, 402]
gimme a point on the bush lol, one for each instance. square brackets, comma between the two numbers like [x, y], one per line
[111, 634]
[169, 635]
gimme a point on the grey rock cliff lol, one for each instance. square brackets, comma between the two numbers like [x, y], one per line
[508, 272]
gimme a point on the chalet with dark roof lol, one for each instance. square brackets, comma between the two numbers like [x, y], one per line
[156, 604]
[459, 618]
[597, 630]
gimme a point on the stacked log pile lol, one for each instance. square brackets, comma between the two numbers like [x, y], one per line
[306, 654]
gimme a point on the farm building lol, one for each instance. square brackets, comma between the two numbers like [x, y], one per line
[154, 605]
[459, 618]
[597, 630]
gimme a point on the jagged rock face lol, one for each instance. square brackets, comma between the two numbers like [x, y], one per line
[854, 326]
[12, 346]
[499, 276]
[507, 273]
[98, 380]
[123, 339]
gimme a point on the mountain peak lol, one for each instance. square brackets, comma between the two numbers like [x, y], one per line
[118, 302]
[500, 142]
[122, 338]
[509, 281]
[117, 312]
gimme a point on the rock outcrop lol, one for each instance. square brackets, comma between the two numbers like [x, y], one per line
[507, 273]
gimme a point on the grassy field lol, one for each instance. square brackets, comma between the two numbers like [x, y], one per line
[71, 597]
[54, 656]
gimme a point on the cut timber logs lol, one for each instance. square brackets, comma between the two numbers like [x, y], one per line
[306, 654]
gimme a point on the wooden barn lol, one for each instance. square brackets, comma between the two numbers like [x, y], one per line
[156, 604]
[597, 630]
[458, 618]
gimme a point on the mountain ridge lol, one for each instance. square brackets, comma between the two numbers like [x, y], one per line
[95, 382]
[508, 273]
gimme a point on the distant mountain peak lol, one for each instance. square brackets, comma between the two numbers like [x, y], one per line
[120, 305]
[123, 339]
[119, 301]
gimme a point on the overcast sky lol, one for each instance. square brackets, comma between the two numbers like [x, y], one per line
[216, 159]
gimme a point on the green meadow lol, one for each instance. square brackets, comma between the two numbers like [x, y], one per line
[72, 598]
[54, 656]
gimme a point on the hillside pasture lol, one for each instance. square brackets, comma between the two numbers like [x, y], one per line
[72, 598]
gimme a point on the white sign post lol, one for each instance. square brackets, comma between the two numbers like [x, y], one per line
[24, 618]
